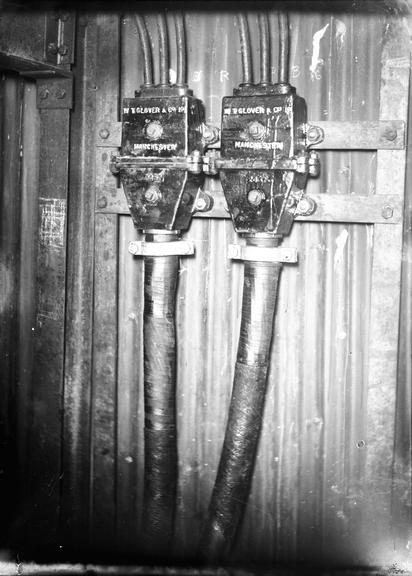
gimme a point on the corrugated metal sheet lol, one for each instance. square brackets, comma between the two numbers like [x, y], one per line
[312, 495]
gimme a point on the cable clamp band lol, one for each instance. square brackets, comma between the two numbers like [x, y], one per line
[178, 248]
[263, 253]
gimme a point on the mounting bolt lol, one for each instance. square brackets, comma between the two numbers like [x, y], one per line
[203, 203]
[387, 212]
[256, 130]
[52, 48]
[314, 134]
[102, 202]
[255, 197]
[306, 206]
[60, 93]
[104, 133]
[63, 50]
[43, 94]
[152, 195]
[390, 134]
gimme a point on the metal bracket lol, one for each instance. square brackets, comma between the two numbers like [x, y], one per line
[177, 248]
[55, 93]
[263, 253]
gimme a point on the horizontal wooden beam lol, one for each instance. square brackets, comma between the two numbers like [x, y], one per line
[351, 208]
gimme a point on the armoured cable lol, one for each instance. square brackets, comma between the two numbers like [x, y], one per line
[284, 40]
[164, 49]
[245, 48]
[147, 50]
[234, 476]
[160, 468]
[181, 50]
[264, 49]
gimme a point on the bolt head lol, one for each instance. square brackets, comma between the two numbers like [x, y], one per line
[390, 134]
[60, 93]
[43, 94]
[152, 195]
[314, 134]
[153, 130]
[102, 202]
[306, 206]
[104, 133]
[255, 197]
[256, 130]
[387, 212]
[52, 48]
[63, 50]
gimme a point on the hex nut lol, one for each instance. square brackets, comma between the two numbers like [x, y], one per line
[306, 206]
[387, 212]
[60, 93]
[104, 133]
[314, 134]
[390, 134]
[102, 202]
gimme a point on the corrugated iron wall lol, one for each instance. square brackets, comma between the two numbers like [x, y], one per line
[323, 487]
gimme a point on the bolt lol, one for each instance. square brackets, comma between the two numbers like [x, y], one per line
[255, 197]
[387, 212]
[133, 248]
[152, 195]
[390, 134]
[256, 130]
[306, 206]
[104, 133]
[314, 134]
[63, 50]
[203, 203]
[52, 48]
[102, 202]
[43, 94]
[60, 93]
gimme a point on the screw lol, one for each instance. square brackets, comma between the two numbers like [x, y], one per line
[60, 93]
[63, 50]
[390, 134]
[104, 133]
[102, 202]
[387, 212]
[43, 94]
[52, 48]
[255, 197]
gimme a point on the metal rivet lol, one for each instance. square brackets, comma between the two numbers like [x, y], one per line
[104, 133]
[387, 212]
[102, 202]
[52, 48]
[63, 50]
[43, 94]
[60, 93]
[390, 134]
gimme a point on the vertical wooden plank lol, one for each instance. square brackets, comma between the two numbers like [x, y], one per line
[379, 543]
[105, 318]
[11, 99]
[48, 333]
[79, 311]
[28, 270]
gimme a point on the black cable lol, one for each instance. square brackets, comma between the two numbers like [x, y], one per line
[284, 39]
[245, 48]
[160, 468]
[181, 50]
[147, 50]
[234, 476]
[164, 49]
[264, 49]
